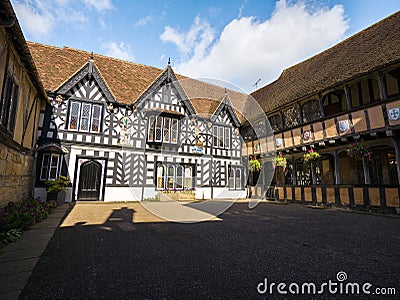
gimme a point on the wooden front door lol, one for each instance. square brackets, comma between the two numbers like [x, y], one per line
[89, 181]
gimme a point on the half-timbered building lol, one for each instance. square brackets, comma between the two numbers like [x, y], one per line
[22, 95]
[344, 104]
[123, 131]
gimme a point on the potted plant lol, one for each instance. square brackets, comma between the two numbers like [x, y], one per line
[55, 186]
[280, 160]
[254, 165]
[359, 151]
[311, 158]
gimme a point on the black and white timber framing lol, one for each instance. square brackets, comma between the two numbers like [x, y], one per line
[115, 152]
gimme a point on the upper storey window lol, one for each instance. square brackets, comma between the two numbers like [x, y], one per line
[84, 116]
[8, 103]
[163, 129]
[221, 137]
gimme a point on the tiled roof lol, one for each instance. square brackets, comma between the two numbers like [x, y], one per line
[374, 47]
[126, 80]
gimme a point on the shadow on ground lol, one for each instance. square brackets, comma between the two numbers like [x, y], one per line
[124, 257]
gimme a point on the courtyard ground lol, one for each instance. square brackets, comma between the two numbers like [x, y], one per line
[121, 251]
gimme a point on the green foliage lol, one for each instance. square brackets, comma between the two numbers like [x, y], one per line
[10, 236]
[311, 156]
[254, 165]
[280, 160]
[359, 151]
[57, 185]
[17, 216]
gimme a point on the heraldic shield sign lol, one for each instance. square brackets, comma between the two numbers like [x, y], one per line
[344, 126]
[394, 114]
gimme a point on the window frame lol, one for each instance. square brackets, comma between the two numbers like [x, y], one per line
[79, 117]
[220, 134]
[152, 127]
[232, 178]
[45, 175]
[9, 101]
[176, 179]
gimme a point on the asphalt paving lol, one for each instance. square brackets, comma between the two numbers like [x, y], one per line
[245, 254]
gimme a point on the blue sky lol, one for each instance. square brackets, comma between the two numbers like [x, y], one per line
[235, 41]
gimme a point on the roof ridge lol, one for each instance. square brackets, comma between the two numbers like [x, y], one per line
[95, 54]
[332, 47]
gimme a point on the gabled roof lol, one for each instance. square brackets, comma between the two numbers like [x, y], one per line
[366, 51]
[126, 80]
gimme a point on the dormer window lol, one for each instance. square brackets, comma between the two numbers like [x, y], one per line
[85, 117]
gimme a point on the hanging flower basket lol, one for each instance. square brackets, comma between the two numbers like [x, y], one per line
[280, 160]
[254, 165]
[311, 156]
[359, 151]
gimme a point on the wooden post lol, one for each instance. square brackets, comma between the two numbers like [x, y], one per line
[396, 142]
[367, 179]
[337, 171]
[348, 97]
[294, 170]
[382, 88]
[321, 106]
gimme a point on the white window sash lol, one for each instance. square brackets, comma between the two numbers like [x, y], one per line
[98, 118]
[215, 136]
[51, 167]
[151, 129]
[88, 117]
[174, 132]
[227, 137]
[44, 173]
[160, 128]
[77, 116]
[167, 130]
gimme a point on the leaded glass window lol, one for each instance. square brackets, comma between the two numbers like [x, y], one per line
[174, 131]
[167, 128]
[276, 122]
[85, 117]
[291, 117]
[158, 133]
[311, 111]
[96, 116]
[74, 115]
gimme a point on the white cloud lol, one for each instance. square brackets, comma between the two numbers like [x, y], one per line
[99, 5]
[193, 43]
[40, 18]
[121, 50]
[144, 21]
[35, 19]
[248, 49]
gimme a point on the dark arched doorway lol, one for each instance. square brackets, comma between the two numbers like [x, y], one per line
[89, 181]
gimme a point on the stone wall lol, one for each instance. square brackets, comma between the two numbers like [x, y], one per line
[15, 175]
